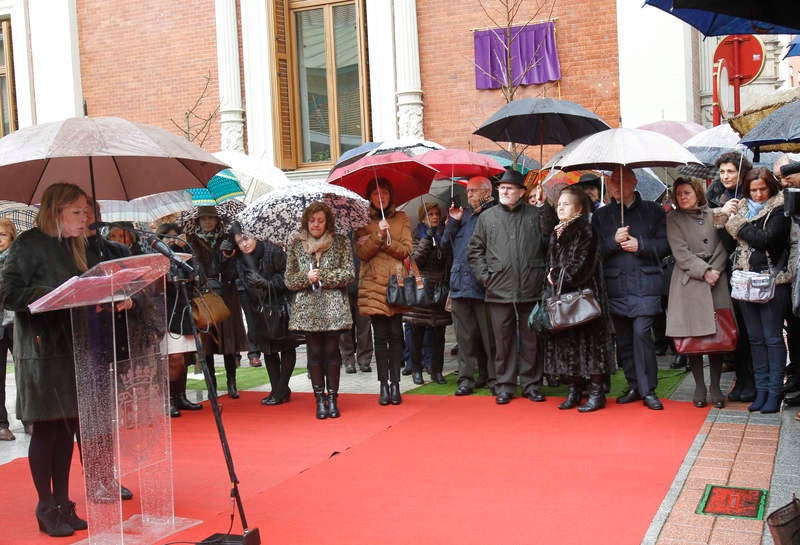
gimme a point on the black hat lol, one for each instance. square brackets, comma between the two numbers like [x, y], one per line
[511, 176]
[589, 179]
[207, 211]
[790, 168]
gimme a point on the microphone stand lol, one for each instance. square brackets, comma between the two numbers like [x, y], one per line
[250, 536]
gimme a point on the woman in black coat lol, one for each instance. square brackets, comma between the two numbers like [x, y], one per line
[38, 261]
[585, 352]
[261, 266]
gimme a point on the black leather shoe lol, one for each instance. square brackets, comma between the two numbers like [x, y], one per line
[71, 517]
[628, 397]
[271, 400]
[416, 376]
[652, 402]
[394, 393]
[535, 395]
[464, 389]
[183, 403]
[438, 378]
[383, 397]
[125, 493]
[792, 401]
[503, 398]
[792, 385]
[699, 404]
[406, 371]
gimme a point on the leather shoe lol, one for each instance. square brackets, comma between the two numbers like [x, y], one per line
[698, 404]
[464, 389]
[503, 398]
[792, 401]
[629, 397]
[652, 402]
[365, 369]
[416, 376]
[535, 395]
[438, 378]
[125, 493]
[6, 435]
[792, 385]
[271, 400]
[406, 371]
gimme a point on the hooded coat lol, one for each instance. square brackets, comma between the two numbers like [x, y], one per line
[380, 260]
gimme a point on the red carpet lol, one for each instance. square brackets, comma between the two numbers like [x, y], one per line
[435, 469]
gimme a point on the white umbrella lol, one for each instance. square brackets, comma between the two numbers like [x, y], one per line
[256, 176]
[146, 209]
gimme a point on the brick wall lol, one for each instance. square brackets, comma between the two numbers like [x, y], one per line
[147, 61]
[586, 34]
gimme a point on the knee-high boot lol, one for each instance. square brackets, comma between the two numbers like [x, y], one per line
[183, 402]
[230, 373]
[597, 396]
[174, 412]
[318, 384]
[715, 374]
[333, 371]
[574, 393]
[696, 365]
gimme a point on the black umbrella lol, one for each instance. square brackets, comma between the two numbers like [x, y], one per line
[780, 130]
[538, 121]
[723, 17]
[778, 13]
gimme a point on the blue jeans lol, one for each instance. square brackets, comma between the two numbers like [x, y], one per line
[764, 322]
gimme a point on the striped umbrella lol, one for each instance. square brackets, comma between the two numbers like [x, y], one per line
[146, 209]
[224, 186]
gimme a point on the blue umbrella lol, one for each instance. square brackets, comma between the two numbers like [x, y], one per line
[781, 127]
[224, 186]
[794, 48]
[712, 23]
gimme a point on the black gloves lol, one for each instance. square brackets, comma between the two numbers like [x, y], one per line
[255, 279]
[227, 245]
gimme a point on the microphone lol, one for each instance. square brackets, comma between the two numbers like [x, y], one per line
[159, 246]
[98, 224]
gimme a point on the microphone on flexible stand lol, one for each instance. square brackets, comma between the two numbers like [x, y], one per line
[159, 246]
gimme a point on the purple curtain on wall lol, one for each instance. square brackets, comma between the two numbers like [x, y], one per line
[531, 44]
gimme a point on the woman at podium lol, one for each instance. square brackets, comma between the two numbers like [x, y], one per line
[38, 261]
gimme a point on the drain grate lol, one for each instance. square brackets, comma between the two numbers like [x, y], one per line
[732, 501]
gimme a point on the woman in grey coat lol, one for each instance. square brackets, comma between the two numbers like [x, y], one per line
[319, 267]
[699, 284]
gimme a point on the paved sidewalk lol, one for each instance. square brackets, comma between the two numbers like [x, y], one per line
[733, 448]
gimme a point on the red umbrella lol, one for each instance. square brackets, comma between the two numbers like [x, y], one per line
[459, 163]
[409, 177]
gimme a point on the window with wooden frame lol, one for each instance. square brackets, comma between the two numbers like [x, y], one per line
[8, 106]
[320, 92]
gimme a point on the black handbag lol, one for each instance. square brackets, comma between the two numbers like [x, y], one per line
[784, 523]
[574, 308]
[427, 294]
[275, 314]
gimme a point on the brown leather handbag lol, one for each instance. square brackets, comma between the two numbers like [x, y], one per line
[209, 309]
[724, 339]
[784, 523]
[574, 308]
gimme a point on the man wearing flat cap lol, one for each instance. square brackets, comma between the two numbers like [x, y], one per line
[507, 254]
[590, 183]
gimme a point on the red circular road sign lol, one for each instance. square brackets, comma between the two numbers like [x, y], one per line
[744, 57]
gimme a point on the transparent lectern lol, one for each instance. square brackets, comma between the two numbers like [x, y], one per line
[123, 396]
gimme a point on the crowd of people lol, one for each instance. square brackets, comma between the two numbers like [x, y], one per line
[499, 258]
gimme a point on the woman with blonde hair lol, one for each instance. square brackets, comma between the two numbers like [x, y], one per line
[40, 260]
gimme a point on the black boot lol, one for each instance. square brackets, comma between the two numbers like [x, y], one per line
[383, 398]
[230, 373]
[332, 377]
[174, 412]
[71, 517]
[597, 398]
[52, 521]
[394, 393]
[574, 394]
[438, 378]
[182, 401]
[318, 384]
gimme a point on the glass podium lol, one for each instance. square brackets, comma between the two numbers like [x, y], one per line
[123, 396]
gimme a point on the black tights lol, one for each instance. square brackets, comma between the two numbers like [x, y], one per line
[50, 457]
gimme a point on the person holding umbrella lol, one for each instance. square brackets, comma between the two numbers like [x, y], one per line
[38, 261]
[632, 251]
[319, 268]
[382, 245]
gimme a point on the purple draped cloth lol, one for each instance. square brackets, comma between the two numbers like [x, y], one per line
[533, 44]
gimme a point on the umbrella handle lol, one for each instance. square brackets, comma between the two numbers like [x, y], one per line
[383, 217]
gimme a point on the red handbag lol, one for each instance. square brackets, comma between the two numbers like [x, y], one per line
[723, 340]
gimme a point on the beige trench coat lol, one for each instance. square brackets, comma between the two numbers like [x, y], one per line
[696, 246]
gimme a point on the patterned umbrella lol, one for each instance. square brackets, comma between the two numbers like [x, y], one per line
[224, 186]
[21, 215]
[276, 215]
[226, 211]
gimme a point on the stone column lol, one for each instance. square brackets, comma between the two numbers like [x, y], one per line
[257, 80]
[230, 83]
[409, 86]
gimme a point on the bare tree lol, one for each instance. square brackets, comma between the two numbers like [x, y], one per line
[196, 125]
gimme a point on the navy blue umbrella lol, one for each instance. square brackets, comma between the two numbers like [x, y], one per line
[794, 48]
[719, 18]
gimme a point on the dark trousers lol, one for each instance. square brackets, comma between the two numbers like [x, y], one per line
[253, 350]
[280, 368]
[6, 344]
[637, 352]
[387, 334]
[436, 336]
[515, 348]
[475, 338]
[765, 330]
[355, 345]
